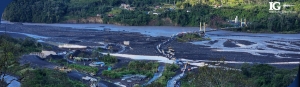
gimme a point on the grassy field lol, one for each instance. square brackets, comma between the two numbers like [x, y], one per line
[191, 37]
[167, 74]
[83, 68]
[134, 67]
[115, 11]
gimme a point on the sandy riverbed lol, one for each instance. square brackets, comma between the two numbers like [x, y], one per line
[277, 49]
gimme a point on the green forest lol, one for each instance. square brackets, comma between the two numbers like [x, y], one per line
[258, 75]
[169, 12]
[10, 51]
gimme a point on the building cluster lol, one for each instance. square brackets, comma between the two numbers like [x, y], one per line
[239, 23]
[218, 6]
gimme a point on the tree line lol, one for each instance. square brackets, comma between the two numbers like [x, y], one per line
[258, 75]
[10, 51]
[256, 13]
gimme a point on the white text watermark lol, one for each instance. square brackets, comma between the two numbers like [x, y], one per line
[276, 7]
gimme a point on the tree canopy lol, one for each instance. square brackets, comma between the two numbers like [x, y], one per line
[182, 13]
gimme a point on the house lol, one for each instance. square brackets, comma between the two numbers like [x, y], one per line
[157, 7]
[127, 7]
[218, 6]
[110, 15]
[98, 15]
[126, 43]
[131, 8]
[156, 13]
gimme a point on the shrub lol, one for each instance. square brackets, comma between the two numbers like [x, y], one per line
[109, 59]
[83, 68]
[134, 67]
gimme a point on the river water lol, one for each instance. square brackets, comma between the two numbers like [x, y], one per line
[277, 44]
[11, 80]
[259, 44]
[148, 30]
[162, 30]
[261, 40]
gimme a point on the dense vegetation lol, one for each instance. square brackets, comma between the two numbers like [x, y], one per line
[261, 75]
[86, 54]
[134, 67]
[215, 77]
[258, 75]
[256, 12]
[264, 75]
[10, 51]
[169, 72]
[49, 78]
[108, 59]
[19, 46]
[58, 61]
[82, 68]
[190, 37]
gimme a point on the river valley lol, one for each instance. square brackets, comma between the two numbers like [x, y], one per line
[236, 48]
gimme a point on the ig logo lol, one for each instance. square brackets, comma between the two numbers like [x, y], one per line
[272, 6]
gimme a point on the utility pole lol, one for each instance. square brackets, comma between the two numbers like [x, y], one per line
[204, 27]
[174, 3]
[236, 19]
[241, 22]
[245, 22]
[200, 27]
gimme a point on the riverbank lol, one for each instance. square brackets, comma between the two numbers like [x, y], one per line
[10, 81]
[262, 31]
[92, 25]
[202, 53]
[251, 48]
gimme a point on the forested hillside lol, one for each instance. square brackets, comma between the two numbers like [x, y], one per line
[158, 12]
[11, 49]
